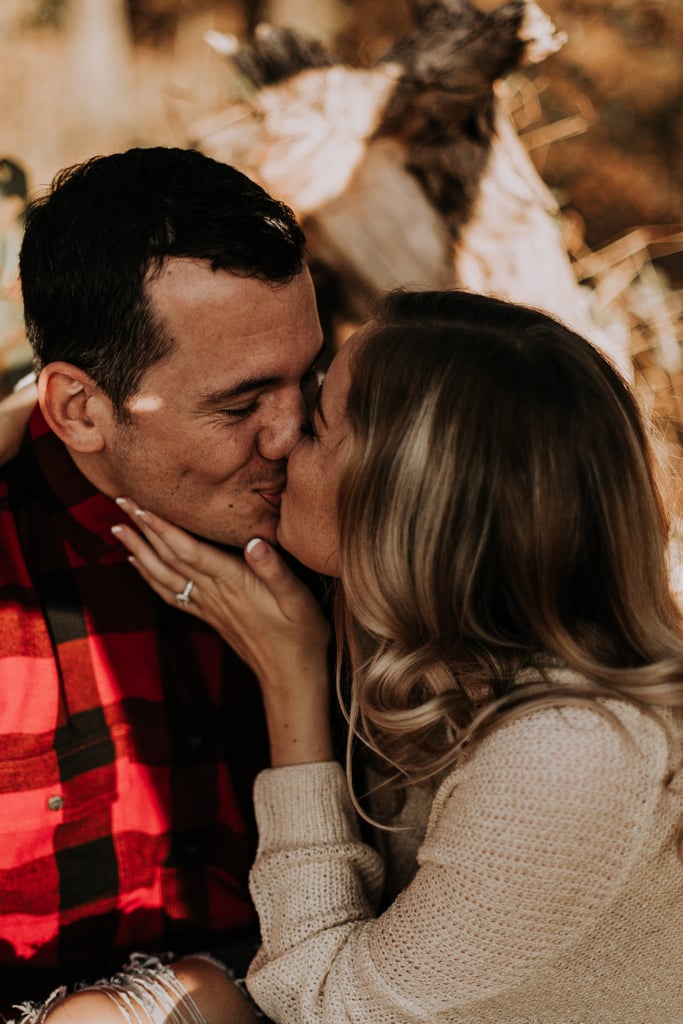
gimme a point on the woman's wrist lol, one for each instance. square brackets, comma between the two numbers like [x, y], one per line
[298, 727]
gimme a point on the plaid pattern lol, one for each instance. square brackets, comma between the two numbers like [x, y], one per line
[130, 739]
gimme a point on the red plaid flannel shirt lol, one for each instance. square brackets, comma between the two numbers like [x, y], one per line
[130, 739]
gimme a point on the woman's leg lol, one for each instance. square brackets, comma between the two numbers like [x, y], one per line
[194, 990]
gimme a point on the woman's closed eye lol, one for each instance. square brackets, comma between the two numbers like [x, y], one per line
[308, 430]
[310, 386]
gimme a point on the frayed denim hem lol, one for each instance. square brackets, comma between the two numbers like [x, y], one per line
[145, 991]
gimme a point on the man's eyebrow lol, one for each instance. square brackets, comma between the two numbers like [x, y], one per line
[248, 384]
[241, 387]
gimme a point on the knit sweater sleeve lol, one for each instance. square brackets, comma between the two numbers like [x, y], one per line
[527, 842]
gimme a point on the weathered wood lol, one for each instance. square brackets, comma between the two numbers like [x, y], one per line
[311, 140]
[277, 54]
[512, 246]
[409, 173]
[323, 19]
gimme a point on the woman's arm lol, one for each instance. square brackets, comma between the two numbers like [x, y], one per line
[530, 842]
[15, 412]
[529, 851]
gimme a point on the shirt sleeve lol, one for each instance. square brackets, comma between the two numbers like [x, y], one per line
[527, 842]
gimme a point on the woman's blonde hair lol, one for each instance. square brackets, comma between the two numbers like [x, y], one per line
[498, 512]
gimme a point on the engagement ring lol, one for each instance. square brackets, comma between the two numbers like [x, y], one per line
[184, 596]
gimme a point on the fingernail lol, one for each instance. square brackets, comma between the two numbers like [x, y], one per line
[257, 549]
[141, 513]
[120, 501]
[117, 529]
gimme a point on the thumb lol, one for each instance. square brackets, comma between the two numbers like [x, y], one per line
[266, 563]
[257, 550]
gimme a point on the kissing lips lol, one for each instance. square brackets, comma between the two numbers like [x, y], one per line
[272, 495]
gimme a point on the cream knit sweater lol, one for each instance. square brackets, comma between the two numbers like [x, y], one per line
[548, 891]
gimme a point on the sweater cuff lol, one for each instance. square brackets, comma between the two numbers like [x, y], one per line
[304, 804]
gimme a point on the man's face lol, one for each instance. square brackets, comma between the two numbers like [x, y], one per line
[213, 422]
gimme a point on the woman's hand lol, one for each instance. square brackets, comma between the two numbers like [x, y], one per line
[15, 412]
[266, 614]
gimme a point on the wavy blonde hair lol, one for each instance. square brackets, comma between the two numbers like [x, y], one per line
[498, 512]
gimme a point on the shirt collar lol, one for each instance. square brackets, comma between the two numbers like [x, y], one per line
[86, 514]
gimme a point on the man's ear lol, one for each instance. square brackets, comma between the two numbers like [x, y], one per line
[74, 407]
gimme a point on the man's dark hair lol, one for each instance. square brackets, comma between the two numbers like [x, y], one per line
[106, 226]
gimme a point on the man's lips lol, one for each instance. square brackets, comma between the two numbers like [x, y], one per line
[272, 494]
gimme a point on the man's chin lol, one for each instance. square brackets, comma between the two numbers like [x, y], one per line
[237, 539]
[226, 530]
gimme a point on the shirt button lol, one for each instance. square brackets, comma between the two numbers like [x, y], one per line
[55, 803]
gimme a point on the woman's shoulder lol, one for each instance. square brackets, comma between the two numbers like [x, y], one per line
[603, 763]
[584, 732]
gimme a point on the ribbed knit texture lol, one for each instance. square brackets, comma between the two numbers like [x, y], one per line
[549, 890]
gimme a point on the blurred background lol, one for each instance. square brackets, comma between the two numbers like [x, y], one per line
[85, 76]
[602, 122]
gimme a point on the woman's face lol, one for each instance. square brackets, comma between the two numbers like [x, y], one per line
[308, 513]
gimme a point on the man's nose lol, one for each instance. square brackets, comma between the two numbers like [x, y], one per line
[282, 430]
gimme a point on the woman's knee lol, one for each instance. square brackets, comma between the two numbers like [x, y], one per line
[196, 988]
[88, 1007]
[217, 997]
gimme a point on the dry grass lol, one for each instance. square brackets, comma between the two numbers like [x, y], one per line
[628, 278]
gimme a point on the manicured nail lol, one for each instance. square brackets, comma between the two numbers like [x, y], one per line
[257, 548]
[120, 501]
[140, 512]
[117, 529]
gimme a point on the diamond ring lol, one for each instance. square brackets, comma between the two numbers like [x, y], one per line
[184, 596]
